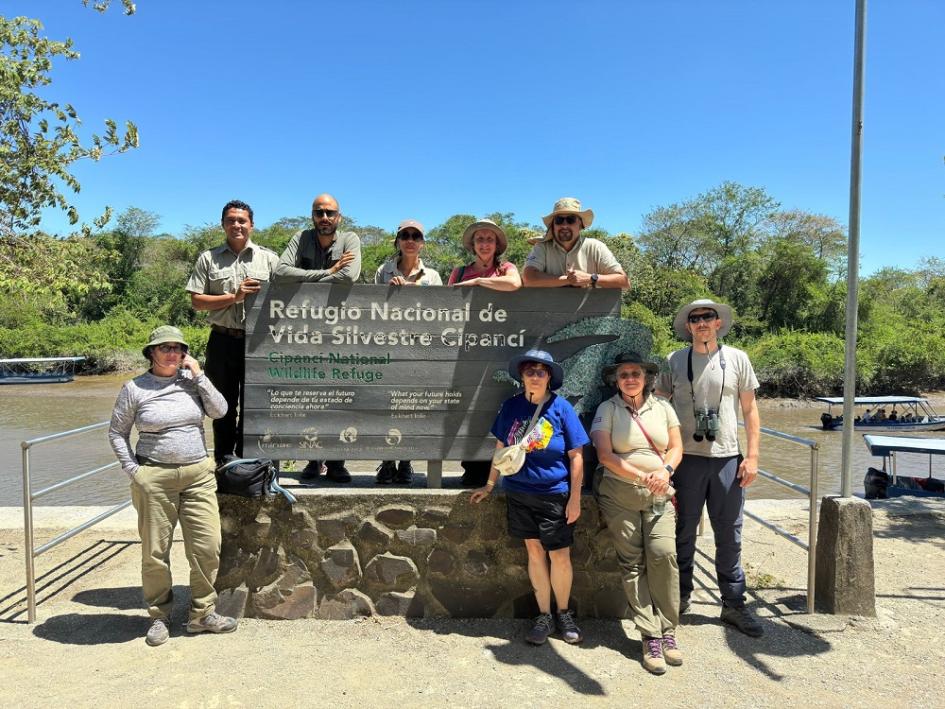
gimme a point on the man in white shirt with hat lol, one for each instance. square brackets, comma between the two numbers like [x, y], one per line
[565, 258]
[705, 381]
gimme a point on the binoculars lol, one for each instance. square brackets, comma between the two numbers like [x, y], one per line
[707, 425]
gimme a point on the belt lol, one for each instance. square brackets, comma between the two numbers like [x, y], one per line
[231, 331]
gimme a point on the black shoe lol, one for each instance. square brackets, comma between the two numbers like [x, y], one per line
[404, 474]
[338, 473]
[311, 471]
[684, 605]
[385, 472]
[742, 619]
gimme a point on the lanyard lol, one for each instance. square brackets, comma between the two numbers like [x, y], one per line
[692, 392]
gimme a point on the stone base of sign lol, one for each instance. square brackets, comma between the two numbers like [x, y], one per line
[845, 582]
[421, 554]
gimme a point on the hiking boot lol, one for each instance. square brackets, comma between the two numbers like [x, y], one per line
[385, 472]
[337, 472]
[158, 633]
[543, 627]
[213, 622]
[685, 605]
[743, 620]
[404, 474]
[570, 633]
[671, 652]
[311, 471]
[653, 661]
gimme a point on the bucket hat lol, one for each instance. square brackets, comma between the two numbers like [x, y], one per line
[501, 240]
[682, 317]
[541, 357]
[162, 334]
[609, 371]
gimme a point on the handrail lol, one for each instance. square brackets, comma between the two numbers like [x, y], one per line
[29, 496]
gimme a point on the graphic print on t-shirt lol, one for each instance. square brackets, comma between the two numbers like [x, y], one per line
[538, 438]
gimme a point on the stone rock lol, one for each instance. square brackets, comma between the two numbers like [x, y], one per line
[457, 532]
[440, 561]
[346, 605]
[303, 540]
[493, 529]
[463, 600]
[405, 604]
[610, 601]
[845, 576]
[269, 564]
[373, 532]
[341, 565]
[416, 536]
[433, 516]
[232, 563]
[335, 527]
[289, 597]
[257, 531]
[232, 601]
[396, 573]
[228, 523]
[397, 516]
[477, 563]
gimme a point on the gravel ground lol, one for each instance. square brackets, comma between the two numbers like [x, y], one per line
[87, 647]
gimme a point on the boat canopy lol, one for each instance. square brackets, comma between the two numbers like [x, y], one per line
[41, 360]
[873, 400]
[884, 445]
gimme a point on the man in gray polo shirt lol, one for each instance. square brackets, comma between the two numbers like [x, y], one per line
[323, 255]
[565, 258]
[222, 280]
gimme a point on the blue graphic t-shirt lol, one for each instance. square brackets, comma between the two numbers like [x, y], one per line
[558, 430]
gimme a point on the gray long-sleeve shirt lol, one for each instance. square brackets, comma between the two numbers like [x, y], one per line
[305, 260]
[168, 412]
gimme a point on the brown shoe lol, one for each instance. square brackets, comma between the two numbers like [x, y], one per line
[671, 652]
[653, 661]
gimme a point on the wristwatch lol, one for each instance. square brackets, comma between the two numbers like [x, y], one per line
[594, 278]
[669, 468]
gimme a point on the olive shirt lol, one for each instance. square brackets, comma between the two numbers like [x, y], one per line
[626, 436]
[220, 271]
[588, 255]
[421, 275]
[305, 260]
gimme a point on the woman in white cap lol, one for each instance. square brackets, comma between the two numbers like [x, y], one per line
[172, 478]
[486, 241]
[639, 445]
[544, 496]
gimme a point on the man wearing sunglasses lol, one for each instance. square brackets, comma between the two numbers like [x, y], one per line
[322, 255]
[565, 258]
[705, 382]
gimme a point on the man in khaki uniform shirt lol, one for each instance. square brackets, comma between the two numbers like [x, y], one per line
[565, 258]
[222, 280]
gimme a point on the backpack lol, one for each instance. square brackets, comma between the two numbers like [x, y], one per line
[250, 477]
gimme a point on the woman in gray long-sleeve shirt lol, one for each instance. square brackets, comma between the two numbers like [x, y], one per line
[172, 478]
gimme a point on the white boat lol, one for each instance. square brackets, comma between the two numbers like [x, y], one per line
[914, 413]
[38, 370]
[881, 484]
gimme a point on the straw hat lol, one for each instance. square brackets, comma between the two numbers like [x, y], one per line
[501, 240]
[682, 317]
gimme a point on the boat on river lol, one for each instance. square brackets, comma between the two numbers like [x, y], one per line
[914, 413]
[38, 370]
[885, 483]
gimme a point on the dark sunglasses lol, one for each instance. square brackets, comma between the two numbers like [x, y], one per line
[535, 372]
[410, 236]
[330, 213]
[699, 317]
[569, 219]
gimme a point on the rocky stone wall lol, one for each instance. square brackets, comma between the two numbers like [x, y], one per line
[416, 554]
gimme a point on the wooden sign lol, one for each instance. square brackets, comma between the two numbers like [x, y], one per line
[351, 371]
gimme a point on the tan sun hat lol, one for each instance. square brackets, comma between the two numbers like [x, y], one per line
[501, 240]
[163, 334]
[682, 317]
[569, 205]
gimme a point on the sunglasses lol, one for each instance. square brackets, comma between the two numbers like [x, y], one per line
[700, 317]
[630, 375]
[330, 213]
[166, 349]
[410, 236]
[569, 219]
[535, 372]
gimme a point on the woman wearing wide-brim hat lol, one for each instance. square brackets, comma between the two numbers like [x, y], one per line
[486, 241]
[172, 478]
[639, 445]
[544, 496]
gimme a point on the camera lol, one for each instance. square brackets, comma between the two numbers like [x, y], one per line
[707, 425]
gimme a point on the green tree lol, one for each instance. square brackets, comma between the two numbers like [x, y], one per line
[788, 282]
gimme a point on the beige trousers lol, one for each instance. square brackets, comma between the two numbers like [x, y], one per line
[646, 551]
[162, 495]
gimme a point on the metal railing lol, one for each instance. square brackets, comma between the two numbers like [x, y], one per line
[29, 496]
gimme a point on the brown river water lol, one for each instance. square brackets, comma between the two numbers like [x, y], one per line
[33, 410]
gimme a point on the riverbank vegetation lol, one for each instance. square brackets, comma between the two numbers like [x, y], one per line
[99, 294]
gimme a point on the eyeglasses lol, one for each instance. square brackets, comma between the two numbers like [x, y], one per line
[166, 349]
[569, 219]
[330, 213]
[699, 317]
[535, 372]
[630, 375]
[410, 236]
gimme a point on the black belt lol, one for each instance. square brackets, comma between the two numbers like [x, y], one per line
[231, 331]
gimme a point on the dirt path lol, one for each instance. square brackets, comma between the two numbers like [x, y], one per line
[87, 648]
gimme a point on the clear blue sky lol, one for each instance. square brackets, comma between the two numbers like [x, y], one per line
[428, 109]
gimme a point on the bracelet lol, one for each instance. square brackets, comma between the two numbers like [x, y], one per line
[489, 483]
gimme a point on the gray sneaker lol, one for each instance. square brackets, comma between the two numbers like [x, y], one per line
[543, 627]
[212, 623]
[570, 633]
[158, 633]
[742, 619]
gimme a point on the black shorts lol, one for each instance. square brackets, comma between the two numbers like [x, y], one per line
[540, 517]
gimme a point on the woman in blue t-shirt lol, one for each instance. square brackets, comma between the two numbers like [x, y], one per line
[544, 496]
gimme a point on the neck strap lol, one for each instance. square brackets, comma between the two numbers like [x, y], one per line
[692, 391]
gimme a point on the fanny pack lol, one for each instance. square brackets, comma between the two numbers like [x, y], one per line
[509, 460]
[250, 477]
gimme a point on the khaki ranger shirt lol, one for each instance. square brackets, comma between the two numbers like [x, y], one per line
[421, 275]
[219, 271]
[588, 255]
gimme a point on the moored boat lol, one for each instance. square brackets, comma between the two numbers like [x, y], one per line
[906, 413]
[38, 370]
[885, 483]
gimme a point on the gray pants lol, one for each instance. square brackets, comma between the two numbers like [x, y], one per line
[646, 550]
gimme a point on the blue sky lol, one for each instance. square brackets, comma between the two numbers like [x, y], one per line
[428, 109]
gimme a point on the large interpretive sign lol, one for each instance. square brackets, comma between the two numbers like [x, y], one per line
[387, 372]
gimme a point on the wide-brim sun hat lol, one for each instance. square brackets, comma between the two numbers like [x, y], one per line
[608, 373]
[539, 357]
[162, 334]
[682, 317]
[568, 205]
[501, 240]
